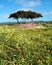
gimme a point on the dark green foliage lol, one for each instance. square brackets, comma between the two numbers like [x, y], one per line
[25, 14]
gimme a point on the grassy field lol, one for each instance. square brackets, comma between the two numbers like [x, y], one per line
[25, 46]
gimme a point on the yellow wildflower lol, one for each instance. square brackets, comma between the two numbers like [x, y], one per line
[47, 61]
[3, 46]
[31, 63]
[48, 50]
[51, 51]
[22, 59]
[39, 61]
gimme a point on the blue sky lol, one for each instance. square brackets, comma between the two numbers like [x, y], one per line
[9, 6]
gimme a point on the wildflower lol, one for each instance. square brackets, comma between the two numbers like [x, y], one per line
[47, 61]
[51, 50]
[31, 63]
[39, 61]
[48, 50]
[3, 46]
[22, 59]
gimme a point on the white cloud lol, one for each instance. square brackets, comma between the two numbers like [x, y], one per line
[48, 13]
[26, 3]
[30, 3]
[26, 9]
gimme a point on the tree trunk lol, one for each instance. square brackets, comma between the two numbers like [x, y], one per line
[32, 21]
[25, 20]
[17, 21]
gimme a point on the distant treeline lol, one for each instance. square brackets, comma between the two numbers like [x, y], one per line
[44, 21]
[10, 23]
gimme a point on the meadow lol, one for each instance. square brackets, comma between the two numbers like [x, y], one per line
[25, 46]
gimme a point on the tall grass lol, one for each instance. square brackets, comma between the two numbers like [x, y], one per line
[25, 46]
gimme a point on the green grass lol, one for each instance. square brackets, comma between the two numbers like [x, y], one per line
[25, 46]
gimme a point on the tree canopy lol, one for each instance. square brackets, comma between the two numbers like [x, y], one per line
[25, 14]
